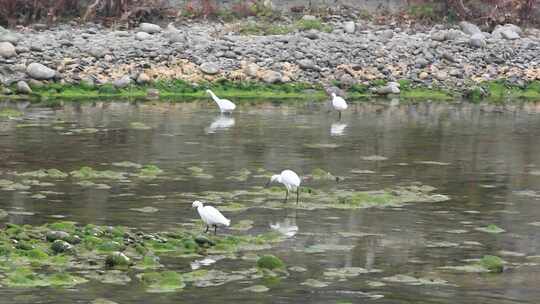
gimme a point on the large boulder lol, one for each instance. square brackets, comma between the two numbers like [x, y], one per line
[469, 28]
[39, 71]
[122, 82]
[7, 50]
[508, 31]
[149, 28]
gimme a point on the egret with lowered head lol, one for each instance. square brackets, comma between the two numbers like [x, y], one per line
[290, 180]
[339, 104]
[225, 105]
[211, 216]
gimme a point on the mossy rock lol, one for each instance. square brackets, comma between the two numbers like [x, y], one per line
[60, 246]
[117, 259]
[166, 281]
[270, 262]
[54, 235]
[492, 263]
[203, 241]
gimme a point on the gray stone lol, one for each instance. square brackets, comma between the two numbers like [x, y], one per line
[387, 34]
[39, 71]
[312, 34]
[477, 40]
[271, 77]
[209, 68]
[469, 28]
[9, 37]
[509, 34]
[20, 49]
[54, 235]
[23, 88]
[141, 36]
[449, 56]
[349, 27]
[143, 78]
[455, 35]
[308, 64]
[309, 17]
[438, 35]
[149, 28]
[421, 62]
[7, 50]
[97, 51]
[251, 70]
[123, 82]
[390, 88]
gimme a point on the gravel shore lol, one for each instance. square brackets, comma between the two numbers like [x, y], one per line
[443, 56]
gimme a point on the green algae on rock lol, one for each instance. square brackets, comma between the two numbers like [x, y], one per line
[491, 228]
[165, 281]
[270, 262]
[90, 173]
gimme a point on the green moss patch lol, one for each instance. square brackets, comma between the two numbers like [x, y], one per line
[90, 173]
[270, 262]
[166, 281]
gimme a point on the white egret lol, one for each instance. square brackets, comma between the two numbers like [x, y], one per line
[338, 103]
[220, 123]
[290, 180]
[225, 105]
[211, 216]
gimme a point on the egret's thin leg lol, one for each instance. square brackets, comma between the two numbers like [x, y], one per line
[215, 229]
[286, 195]
[339, 115]
[297, 195]
[207, 227]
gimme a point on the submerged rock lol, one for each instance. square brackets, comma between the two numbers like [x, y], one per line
[60, 246]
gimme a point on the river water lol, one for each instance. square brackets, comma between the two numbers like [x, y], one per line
[486, 158]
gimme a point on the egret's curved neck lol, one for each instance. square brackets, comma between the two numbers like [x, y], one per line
[214, 97]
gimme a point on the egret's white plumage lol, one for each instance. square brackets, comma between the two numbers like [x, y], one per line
[225, 105]
[211, 216]
[338, 103]
[290, 180]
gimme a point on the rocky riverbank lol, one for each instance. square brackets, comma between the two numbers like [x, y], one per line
[358, 56]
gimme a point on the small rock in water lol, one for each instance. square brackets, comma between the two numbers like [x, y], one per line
[256, 288]
[152, 94]
[117, 259]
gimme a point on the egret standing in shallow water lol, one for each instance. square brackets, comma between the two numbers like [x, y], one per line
[225, 105]
[211, 216]
[290, 180]
[339, 104]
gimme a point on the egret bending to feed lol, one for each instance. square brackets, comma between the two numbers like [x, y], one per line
[290, 180]
[211, 216]
[339, 104]
[225, 105]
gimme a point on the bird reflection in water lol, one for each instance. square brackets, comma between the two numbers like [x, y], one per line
[337, 129]
[221, 122]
